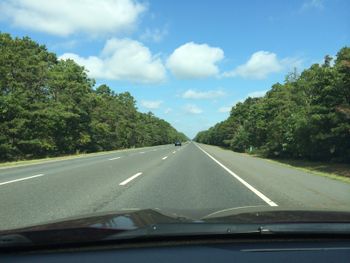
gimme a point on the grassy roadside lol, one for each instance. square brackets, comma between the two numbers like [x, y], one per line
[59, 158]
[336, 171]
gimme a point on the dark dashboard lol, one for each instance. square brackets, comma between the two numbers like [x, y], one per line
[211, 250]
[151, 236]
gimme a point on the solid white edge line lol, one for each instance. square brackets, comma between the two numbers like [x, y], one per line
[21, 179]
[116, 158]
[130, 179]
[164, 157]
[251, 188]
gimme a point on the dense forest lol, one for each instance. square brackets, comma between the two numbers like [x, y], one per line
[306, 117]
[50, 107]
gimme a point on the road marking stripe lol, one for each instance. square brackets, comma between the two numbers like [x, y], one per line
[174, 151]
[164, 157]
[251, 188]
[141, 152]
[116, 158]
[130, 179]
[22, 179]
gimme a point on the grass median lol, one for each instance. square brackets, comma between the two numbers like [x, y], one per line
[59, 158]
[337, 171]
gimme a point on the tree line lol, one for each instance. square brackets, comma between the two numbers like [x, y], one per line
[306, 117]
[50, 107]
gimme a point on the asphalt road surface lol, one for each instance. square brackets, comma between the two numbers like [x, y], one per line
[193, 179]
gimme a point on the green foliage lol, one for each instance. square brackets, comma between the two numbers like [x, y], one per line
[307, 117]
[50, 107]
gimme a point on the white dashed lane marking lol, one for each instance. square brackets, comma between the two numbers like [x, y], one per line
[130, 179]
[116, 158]
[21, 179]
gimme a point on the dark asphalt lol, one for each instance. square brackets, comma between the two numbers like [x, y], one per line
[183, 180]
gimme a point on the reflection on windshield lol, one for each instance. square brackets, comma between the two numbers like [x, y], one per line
[123, 221]
[184, 109]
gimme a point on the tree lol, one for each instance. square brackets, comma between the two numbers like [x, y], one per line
[50, 107]
[306, 117]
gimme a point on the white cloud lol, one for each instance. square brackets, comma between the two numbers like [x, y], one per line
[263, 63]
[312, 4]
[168, 110]
[123, 59]
[259, 65]
[225, 109]
[193, 109]
[65, 17]
[192, 60]
[155, 35]
[210, 94]
[151, 104]
[257, 94]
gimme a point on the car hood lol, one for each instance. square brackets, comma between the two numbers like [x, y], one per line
[136, 219]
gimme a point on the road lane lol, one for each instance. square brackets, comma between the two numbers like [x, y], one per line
[15, 172]
[187, 182]
[289, 187]
[68, 190]
[249, 186]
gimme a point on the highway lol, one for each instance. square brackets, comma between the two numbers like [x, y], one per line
[193, 179]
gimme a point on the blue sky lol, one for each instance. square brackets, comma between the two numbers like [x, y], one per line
[188, 62]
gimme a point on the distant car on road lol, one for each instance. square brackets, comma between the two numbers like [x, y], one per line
[177, 143]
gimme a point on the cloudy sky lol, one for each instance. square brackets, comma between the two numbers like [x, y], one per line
[187, 61]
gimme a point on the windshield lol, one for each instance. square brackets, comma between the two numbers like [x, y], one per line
[192, 109]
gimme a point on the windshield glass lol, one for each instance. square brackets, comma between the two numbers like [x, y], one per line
[192, 109]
